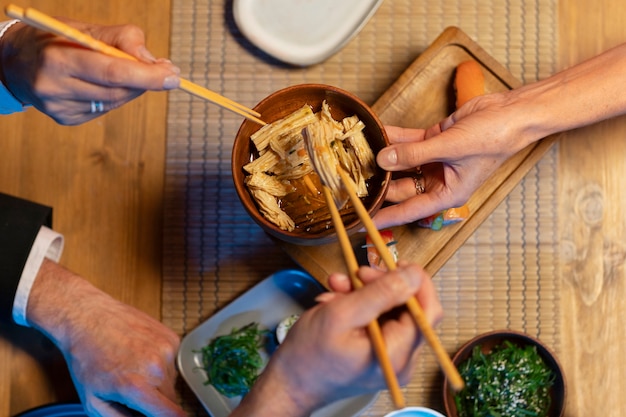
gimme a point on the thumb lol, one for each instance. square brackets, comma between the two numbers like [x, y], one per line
[414, 147]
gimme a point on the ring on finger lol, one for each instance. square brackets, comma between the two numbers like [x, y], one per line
[97, 106]
[418, 181]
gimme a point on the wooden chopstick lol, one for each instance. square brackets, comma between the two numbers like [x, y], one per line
[373, 327]
[46, 23]
[454, 378]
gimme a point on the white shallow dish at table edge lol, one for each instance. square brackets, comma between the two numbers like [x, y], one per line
[278, 296]
[302, 32]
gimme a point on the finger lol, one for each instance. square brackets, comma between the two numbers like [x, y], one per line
[148, 401]
[413, 209]
[80, 75]
[109, 71]
[366, 304]
[147, 74]
[413, 147]
[402, 189]
[86, 91]
[402, 338]
[401, 335]
[339, 282]
[70, 112]
[427, 298]
[398, 134]
[426, 293]
[403, 156]
[91, 100]
[446, 123]
[326, 297]
[128, 38]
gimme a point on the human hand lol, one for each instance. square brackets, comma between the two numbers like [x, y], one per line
[455, 156]
[121, 360]
[328, 354]
[67, 82]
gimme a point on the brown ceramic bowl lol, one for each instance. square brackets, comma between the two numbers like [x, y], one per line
[285, 102]
[488, 341]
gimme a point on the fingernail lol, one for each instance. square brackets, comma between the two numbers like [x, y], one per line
[324, 297]
[171, 82]
[387, 158]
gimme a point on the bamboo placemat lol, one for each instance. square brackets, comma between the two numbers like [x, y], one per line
[504, 276]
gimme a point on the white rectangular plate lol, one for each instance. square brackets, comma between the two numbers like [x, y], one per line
[267, 303]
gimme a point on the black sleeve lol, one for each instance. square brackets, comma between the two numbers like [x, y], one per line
[20, 221]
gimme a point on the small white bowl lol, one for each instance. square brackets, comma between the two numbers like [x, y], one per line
[415, 412]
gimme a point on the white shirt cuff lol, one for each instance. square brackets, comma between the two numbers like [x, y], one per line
[8, 103]
[48, 244]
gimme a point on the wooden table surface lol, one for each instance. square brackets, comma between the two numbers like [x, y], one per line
[111, 172]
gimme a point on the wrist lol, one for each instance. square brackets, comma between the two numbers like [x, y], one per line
[578, 96]
[5, 48]
[54, 301]
[9, 103]
[287, 398]
[535, 115]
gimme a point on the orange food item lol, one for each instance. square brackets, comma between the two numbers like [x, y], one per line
[373, 257]
[469, 82]
[445, 217]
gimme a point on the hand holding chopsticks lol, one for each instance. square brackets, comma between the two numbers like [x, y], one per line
[46, 23]
[414, 308]
[373, 327]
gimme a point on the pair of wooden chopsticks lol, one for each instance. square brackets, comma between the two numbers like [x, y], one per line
[46, 23]
[373, 327]
[414, 308]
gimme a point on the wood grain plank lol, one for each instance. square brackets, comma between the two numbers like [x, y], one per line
[592, 302]
[593, 228]
[105, 182]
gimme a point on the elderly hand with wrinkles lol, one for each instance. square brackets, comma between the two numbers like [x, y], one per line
[72, 84]
[121, 360]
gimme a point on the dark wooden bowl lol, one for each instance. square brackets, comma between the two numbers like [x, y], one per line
[285, 102]
[488, 341]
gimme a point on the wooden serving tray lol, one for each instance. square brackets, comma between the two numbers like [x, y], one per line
[422, 96]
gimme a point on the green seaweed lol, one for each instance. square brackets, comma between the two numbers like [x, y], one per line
[232, 362]
[510, 381]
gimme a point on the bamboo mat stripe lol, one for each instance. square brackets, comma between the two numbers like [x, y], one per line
[504, 276]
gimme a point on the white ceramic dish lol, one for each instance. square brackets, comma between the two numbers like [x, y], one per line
[302, 32]
[267, 303]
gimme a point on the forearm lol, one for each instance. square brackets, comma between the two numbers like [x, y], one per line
[578, 96]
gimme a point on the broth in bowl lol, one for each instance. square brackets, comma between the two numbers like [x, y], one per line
[304, 217]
